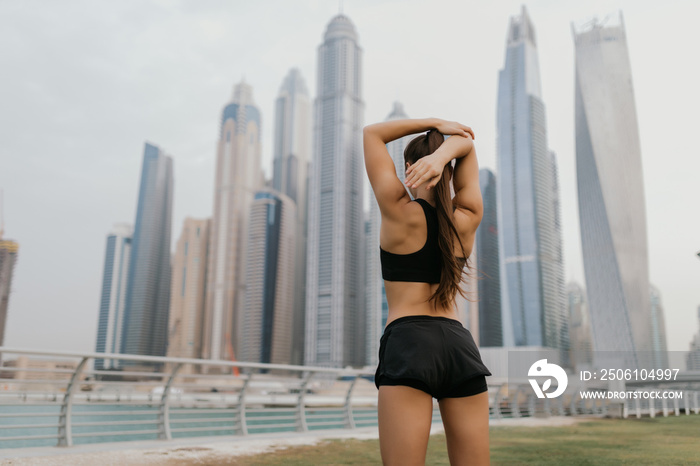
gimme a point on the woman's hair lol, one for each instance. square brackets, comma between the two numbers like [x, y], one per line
[452, 272]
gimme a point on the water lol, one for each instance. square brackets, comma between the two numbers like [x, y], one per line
[140, 422]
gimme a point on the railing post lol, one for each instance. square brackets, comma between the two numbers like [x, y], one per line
[349, 420]
[572, 404]
[686, 401]
[497, 404]
[164, 408]
[638, 406]
[65, 432]
[676, 408]
[301, 405]
[531, 404]
[514, 403]
[242, 421]
[664, 407]
[695, 401]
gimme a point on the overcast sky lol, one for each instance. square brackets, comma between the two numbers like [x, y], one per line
[83, 84]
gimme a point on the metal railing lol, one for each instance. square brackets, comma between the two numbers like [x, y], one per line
[58, 398]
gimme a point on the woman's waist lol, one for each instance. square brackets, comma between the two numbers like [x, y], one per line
[405, 314]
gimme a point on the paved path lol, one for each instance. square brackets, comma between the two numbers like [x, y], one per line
[211, 450]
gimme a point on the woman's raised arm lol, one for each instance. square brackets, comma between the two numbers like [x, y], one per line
[390, 193]
[388, 189]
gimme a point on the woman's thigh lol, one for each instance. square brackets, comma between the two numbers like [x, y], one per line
[405, 415]
[466, 422]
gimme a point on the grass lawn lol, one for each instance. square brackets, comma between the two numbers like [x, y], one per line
[659, 441]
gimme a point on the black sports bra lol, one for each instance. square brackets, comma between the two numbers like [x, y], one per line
[424, 265]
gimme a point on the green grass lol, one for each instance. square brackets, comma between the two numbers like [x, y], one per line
[659, 441]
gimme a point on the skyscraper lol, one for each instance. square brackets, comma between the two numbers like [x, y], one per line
[579, 326]
[269, 272]
[335, 321]
[611, 190]
[658, 330]
[238, 177]
[693, 357]
[528, 198]
[488, 266]
[8, 257]
[188, 289]
[148, 283]
[113, 296]
[376, 306]
[292, 156]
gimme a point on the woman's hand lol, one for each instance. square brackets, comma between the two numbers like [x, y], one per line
[453, 127]
[427, 169]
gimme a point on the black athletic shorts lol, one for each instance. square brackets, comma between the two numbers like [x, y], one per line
[434, 354]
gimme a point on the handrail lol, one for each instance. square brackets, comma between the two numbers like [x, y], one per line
[219, 403]
[201, 362]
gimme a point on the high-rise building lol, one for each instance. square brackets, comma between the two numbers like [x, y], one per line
[579, 326]
[335, 318]
[292, 156]
[8, 257]
[611, 191]
[658, 330]
[377, 308]
[693, 357]
[148, 284]
[113, 297]
[488, 266]
[527, 195]
[238, 177]
[187, 290]
[269, 300]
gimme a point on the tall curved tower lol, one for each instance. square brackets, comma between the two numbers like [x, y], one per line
[611, 190]
[335, 300]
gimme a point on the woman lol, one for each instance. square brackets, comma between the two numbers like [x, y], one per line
[425, 351]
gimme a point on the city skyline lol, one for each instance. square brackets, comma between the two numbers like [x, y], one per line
[72, 172]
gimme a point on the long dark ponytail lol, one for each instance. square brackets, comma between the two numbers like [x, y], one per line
[452, 274]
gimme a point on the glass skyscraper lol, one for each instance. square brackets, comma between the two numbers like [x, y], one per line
[238, 177]
[292, 155]
[488, 264]
[8, 257]
[611, 190]
[270, 282]
[658, 330]
[113, 296]
[335, 316]
[528, 198]
[579, 326]
[148, 286]
[187, 290]
[693, 356]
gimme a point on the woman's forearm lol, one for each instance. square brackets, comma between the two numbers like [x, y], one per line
[454, 147]
[392, 130]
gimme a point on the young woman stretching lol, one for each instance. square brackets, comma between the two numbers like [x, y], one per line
[425, 351]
